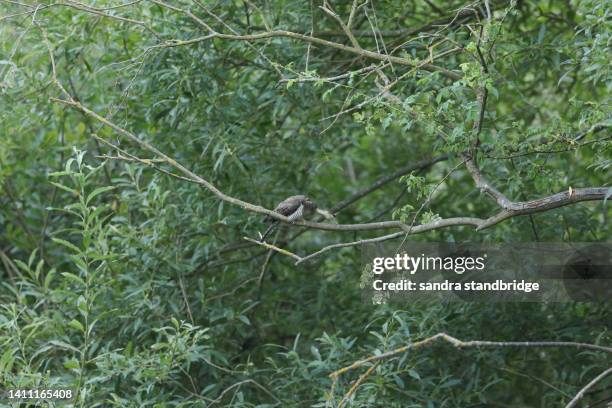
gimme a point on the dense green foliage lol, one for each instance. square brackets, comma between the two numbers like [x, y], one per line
[136, 288]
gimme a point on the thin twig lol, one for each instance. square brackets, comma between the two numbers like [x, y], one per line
[581, 393]
[275, 248]
[356, 385]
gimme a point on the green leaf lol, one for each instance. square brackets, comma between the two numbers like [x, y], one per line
[67, 244]
[49, 278]
[63, 187]
[451, 383]
[32, 257]
[6, 361]
[65, 346]
[82, 305]
[75, 324]
[73, 278]
[59, 173]
[72, 363]
[22, 265]
[97, 192]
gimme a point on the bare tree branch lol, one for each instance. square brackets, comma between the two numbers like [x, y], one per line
[467, 344]
[581, 393]
[514, 209]
[274, 248]
[356, 384]
[564, 198]
[345, 28]
[483, 184]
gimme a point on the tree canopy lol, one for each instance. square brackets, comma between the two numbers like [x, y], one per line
[144, 142]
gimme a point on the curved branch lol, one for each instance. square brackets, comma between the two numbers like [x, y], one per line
[428, 342]
[465, 344]
[564, 198]
[581, 393]
[483, 184]
[511, 208]
[518, 208]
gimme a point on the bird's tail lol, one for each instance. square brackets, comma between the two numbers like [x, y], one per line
[268, 231]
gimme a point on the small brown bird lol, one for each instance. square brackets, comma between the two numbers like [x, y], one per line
[295, 208]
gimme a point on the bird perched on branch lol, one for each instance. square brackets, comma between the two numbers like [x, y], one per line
[295, 208]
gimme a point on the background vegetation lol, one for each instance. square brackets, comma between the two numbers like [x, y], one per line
[136, 288]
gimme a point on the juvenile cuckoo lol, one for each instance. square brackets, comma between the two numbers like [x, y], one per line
[295, 208]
